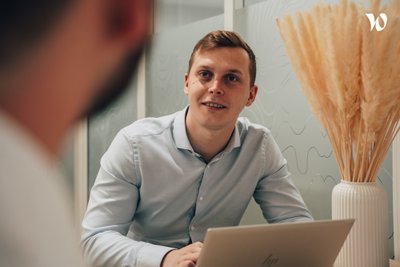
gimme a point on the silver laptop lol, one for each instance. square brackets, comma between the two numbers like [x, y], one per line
[302, 244]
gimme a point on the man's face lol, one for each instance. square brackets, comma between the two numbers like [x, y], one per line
[218, 88]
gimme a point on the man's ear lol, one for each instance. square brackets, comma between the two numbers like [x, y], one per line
[129, 21]
[252, 95]
[186, 84]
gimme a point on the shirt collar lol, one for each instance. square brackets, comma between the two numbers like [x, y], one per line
[182, 140]
[179, 131]
[234, 142]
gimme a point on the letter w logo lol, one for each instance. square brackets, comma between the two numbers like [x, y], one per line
[375, 23]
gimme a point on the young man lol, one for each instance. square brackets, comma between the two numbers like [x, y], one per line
[164, 181]
[59, 61]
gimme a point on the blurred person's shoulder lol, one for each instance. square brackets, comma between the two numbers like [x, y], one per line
[36, 208]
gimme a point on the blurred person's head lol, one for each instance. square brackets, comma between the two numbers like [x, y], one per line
[61, 60]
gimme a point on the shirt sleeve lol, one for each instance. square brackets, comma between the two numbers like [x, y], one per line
[278, 197]
[110, 212]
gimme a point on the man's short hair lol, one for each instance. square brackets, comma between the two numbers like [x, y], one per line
[23, 23]
[219, 39]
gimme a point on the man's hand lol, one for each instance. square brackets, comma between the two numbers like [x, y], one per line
[184, 257]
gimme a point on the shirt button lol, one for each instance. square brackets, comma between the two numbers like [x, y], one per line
[192, 228]
[201, 198]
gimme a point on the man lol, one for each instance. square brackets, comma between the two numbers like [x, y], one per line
[164, 181]
[59, 61]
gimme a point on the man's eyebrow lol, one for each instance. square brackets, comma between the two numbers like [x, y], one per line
[204, 67]
[235, 71]
[209, 67]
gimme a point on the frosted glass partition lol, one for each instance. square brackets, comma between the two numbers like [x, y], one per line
[67, 159]
[282, 107]
[175, 13]
[166, 63]
[103, 128]
[251, 2]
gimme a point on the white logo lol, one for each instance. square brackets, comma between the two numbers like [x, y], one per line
[375, 23]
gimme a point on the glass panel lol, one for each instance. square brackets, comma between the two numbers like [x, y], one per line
[167, 61]
[67, 160]
[282, 107]
[251, 2]
[174, 13]
[103, 128]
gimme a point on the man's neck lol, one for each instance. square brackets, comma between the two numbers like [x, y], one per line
[40, 122]
[206, 142]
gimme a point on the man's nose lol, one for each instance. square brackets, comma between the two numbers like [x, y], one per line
[216, 88]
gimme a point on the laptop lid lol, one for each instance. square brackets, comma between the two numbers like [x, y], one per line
[300, 244]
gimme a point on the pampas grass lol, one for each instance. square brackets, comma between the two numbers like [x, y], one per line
[351, 78]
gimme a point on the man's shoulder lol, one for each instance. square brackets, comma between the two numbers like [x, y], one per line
[150, 126]
[249, 128]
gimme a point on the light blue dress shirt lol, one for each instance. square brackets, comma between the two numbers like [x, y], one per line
[154, 192]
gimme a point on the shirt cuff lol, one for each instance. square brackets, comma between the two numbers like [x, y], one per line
[151, 255]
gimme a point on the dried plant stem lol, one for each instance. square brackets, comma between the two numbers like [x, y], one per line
[351, 78]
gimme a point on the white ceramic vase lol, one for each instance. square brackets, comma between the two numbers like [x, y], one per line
[367, 242]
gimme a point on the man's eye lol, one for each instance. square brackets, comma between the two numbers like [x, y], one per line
[231, 78]
[205, 74]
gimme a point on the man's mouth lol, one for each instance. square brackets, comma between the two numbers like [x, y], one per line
[214, 105]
